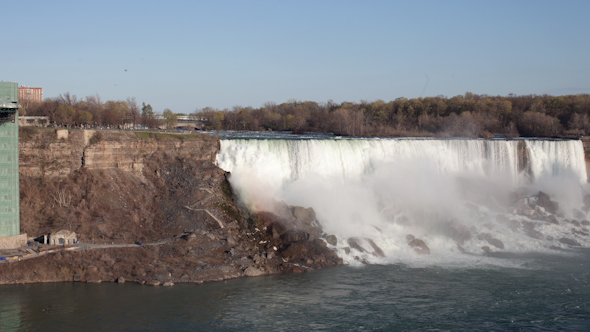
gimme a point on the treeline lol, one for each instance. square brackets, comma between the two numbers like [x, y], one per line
[67, 110]
[464, 115]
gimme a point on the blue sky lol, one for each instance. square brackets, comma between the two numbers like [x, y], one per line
[185, 55]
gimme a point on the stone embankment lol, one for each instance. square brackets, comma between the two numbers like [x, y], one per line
[121, 188]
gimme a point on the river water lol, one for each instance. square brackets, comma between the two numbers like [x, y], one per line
[539, 292]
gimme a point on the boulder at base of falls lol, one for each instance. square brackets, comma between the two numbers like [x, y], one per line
[295, 236]
[253, 272]
[529, 230]
[569, 242]
[301, 214]
[419, 246]
[485, 249]
[289, 230]
[365, 245]
[285, 218]
[458, 232]
[376, 250]
[577, 232]
[282, 210]
[545, 201]
[332, 240]
[289, 239]
[354, 243]
[495, 242]
[551, 219]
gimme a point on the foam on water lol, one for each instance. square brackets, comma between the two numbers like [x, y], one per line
[385, 189]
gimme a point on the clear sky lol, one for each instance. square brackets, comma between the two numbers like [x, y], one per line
[185, 55]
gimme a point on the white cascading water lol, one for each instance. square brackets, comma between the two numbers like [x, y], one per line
[385, 189]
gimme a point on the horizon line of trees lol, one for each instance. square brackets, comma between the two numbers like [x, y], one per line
[469, 115]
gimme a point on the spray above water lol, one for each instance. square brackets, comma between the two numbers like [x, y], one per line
[455, 195]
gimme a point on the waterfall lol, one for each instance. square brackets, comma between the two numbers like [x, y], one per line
[555, 158]
[387, 188]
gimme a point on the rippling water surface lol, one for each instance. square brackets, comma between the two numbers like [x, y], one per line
[547, 292]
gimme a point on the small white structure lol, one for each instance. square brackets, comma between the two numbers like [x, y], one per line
[62, 237]
[33, 121]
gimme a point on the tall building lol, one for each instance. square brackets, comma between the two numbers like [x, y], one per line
[10, 236]
[28, 95]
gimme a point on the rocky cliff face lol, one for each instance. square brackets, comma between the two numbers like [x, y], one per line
[114, 187]
[59, 153]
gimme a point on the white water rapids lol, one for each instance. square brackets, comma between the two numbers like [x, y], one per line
[385, 189]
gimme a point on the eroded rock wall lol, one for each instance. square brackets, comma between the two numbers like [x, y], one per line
[48, 152]
[115, 185]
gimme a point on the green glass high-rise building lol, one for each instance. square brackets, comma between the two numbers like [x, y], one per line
[9, 185]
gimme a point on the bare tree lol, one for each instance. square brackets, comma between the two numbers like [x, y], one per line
[95, 107]
[62, 198]
[67, 99]
[271, 105]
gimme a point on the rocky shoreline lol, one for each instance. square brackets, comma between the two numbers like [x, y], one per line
[121, 188]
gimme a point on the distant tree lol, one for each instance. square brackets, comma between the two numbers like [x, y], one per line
[244, 118]
[95, 106]
[147, 115]
[538, 125]
[85, 117]
[217, 120]
[116, 113]
[170, 119]
[579, 124]
[64, 115]
[271, 105]
[340, 124]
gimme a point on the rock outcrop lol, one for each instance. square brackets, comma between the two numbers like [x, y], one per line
[365, 245]
[418, 245]
[569, 242]
[332, 240]
[544, 201]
